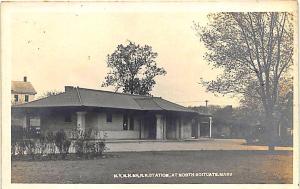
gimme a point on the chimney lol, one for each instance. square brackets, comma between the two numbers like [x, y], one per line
[68, 88]
[25, 79]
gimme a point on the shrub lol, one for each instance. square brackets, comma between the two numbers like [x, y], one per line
[13, 148]
[99, 148]
[50, 140]
[21, 148]
[79, 145]
[42, 145]
[86, 145]
[62, 143]
[31, 147]
[79, 137]
[93, 148]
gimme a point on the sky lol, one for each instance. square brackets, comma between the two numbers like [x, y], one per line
[58, 48]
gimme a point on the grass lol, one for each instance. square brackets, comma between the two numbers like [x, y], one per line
[246, 167]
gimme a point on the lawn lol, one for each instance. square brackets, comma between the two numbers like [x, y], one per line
[245, 166]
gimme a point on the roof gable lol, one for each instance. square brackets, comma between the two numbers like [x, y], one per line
[147, 104]
[170, 106]
[21, 87]
[107, 99]
[59, 100]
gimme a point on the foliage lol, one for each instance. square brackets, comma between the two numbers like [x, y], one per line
[99, 147]
[21, 148]
[86, 145]
[241, 121]
[80, 137]
[62, 143]
[133, 68]
[50, 138]
[49, 93]
[79, 146]
[31, 147]
[42, 146]
[255, 51]
[286, 102]
[284, 105]
[18, 148]
[19, 133]
[23, 140]
[94, 148]
[13, 148]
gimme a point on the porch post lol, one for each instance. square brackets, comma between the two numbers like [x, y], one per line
[81, 120]
[140, 129]
[210, 119]
[199, 127]
[177, 128]
[26, 121]
[159, 127]
[182, 125]
[164, 120]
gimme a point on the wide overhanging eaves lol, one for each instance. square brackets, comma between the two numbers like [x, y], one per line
[80, 97]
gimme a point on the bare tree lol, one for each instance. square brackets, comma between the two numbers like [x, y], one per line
[252, 49]
[49, 93]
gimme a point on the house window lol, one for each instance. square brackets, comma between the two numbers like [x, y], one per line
[131, 125]
[16, 98]
[108, 117]
[68, 118]
[26, 98]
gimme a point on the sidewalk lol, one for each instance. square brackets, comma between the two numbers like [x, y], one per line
[154, 140]
[200, 144]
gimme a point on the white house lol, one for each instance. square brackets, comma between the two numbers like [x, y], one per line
[22, 91]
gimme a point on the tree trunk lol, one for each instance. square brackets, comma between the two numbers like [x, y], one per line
[270, 134]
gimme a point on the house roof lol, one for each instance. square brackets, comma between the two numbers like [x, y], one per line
[75, 97]
[21, 87]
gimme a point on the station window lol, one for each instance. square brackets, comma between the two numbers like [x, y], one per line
[108, 117]
[68, 118]
[131, 125]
